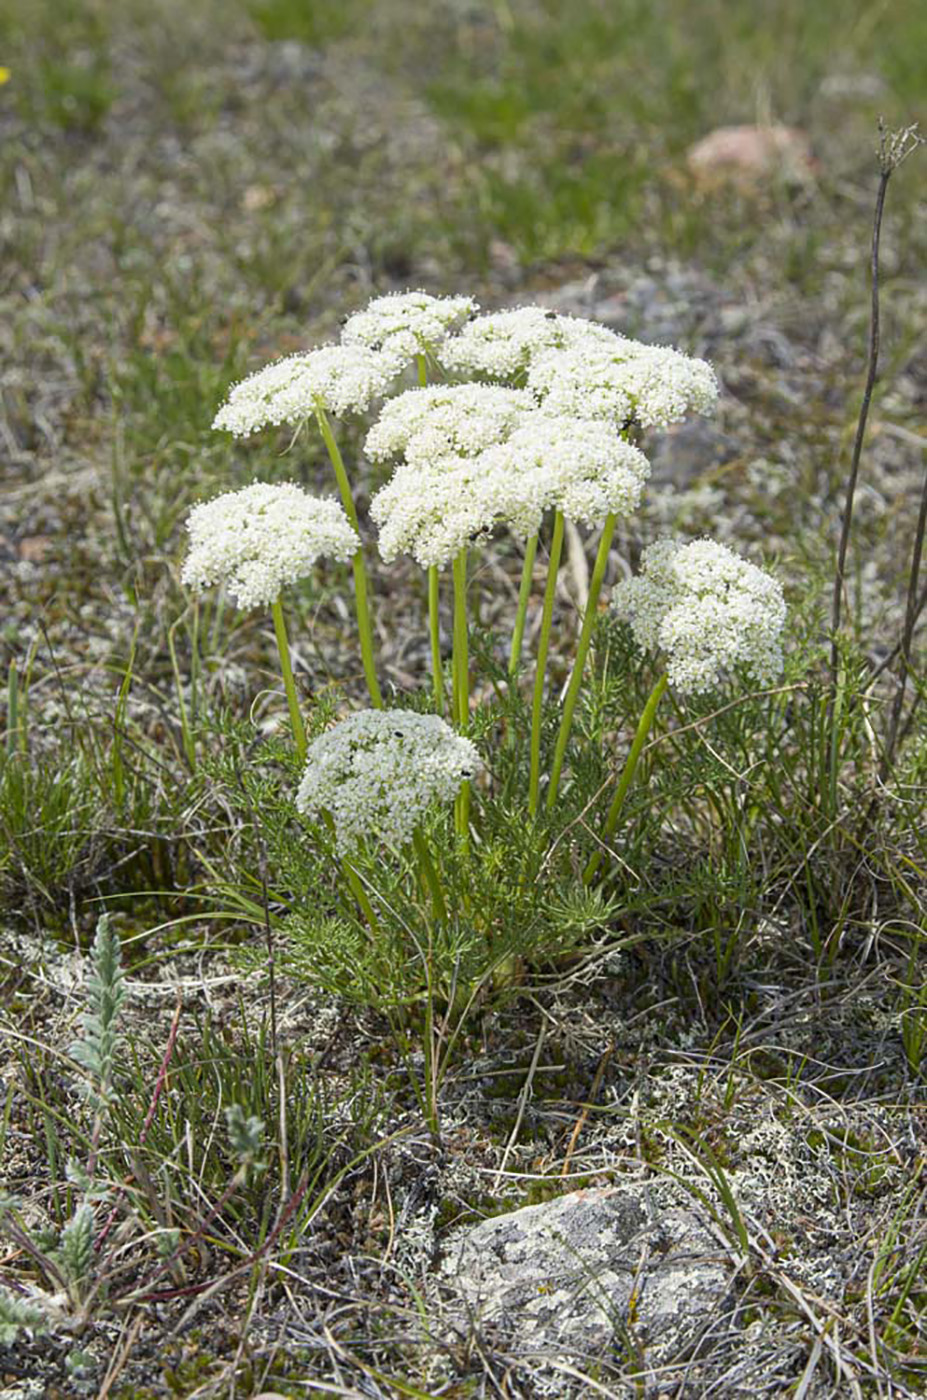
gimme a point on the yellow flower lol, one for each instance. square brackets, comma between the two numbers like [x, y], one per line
[5, 76]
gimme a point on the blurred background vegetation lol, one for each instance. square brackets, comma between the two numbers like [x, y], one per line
[566, 122]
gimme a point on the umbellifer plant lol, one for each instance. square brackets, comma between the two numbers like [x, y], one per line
[520, 421]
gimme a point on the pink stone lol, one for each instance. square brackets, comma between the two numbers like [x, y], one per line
[747, 153]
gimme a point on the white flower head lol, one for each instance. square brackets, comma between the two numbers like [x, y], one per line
[442, 420]
[708, 610]
[653, 385]
[433, 509]
[337, 378]
[578, 466]
[261, 538]
[378, 772]
[407, 323]
[502, 344]
[439, 502]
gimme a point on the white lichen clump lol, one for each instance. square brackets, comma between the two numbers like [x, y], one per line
[406, 324]
[708, 610]
[502, 344]
[580, 467]
[652, 385]
[463, 419]
[378, 772]
[336, 379]
[263, 537]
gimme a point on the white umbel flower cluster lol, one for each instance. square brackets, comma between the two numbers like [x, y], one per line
[432, 510]
[378, 772]
[337, 378]
[578, 466]
[423, 424]
[407, 324]
[261, 538]
[502, 344]
[708, 610]
[653, 385]
[442, 497]
[478, 456]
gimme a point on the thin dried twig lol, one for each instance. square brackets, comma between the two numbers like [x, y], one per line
[128, 1338]
[894, 148]
[587, 1108]
[149, 1116]
[522, 1104]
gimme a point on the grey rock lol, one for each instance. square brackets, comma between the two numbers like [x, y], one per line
[684, 453]
[770, 346]
[590, 1272]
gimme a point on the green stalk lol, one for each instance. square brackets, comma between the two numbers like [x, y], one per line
[283, 647]
[461, 643]
[17, 714]
[431, 1061]
[582, 649]
[353, 879]
[524, 594]
[364, 627]
[217, 619]
[186, 733]
[643, 729]
[12, 712]
[431, 875]
[425, 1097]
[434, 629]
[550, 591]
[195, 662]
[461, 679]
[360, 894]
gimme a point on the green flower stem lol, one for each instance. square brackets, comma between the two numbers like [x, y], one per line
[582, 649]
[550, 591]
[360, 894]
[431, 875]
[431, 1057]
[461, 643]
[364, 627]
[434, 629]
[461, 679]
[283, 647]
[354, 881]
[524, 594]
[421, 364]
[643, 729]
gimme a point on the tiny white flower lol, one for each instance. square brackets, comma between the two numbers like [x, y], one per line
[653, 385]
[708, 610]
[578, 466]
[337, 378]
[379, 771]
[407, 323]
[446, 419]
[502, 344]
[261, 538]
